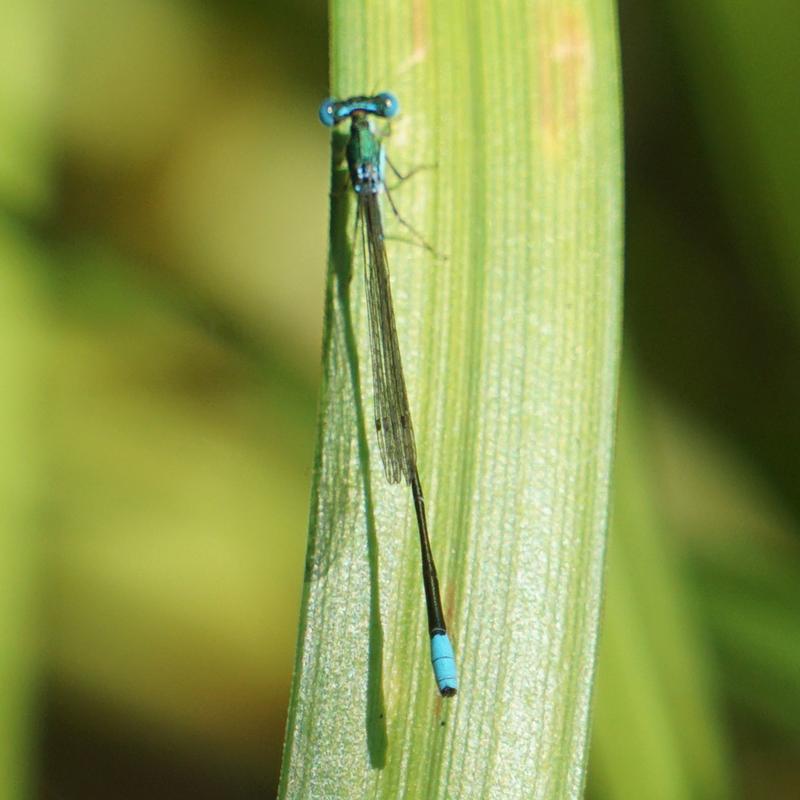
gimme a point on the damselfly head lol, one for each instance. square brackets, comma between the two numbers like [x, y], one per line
[333, 111]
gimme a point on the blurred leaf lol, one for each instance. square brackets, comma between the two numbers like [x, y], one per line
[25, 104]
[132, 78]
[688, 296]
[26, 94]
[20, 486]
[173, 152]
[739, 538]
[179, 491]
[749, 591]
[743, 71]
[740, 542]
[510, 348]
[656, 733]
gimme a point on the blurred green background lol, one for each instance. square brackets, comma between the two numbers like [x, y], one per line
[163, 181]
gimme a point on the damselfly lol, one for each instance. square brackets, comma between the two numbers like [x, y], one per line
[366, 160]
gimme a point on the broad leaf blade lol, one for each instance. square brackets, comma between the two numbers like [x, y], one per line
[510, 346]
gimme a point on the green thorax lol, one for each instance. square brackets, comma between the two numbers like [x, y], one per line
[364, 156]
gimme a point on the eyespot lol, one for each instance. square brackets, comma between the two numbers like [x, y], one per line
[389, 103]
[326, 116]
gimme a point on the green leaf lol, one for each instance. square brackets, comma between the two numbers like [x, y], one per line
[747, 589]
[20, 474]
[745, 100]
[25, 108]
[510, 342]
[656, 733]
[26, 95]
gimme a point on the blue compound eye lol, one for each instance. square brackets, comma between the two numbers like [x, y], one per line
[390, 105]
[326, 116]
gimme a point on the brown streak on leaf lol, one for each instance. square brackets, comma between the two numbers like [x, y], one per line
[565, 67]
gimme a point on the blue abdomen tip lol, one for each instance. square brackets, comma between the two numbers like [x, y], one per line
[444, 664]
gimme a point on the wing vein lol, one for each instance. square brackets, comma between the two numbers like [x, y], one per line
[392, 413]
